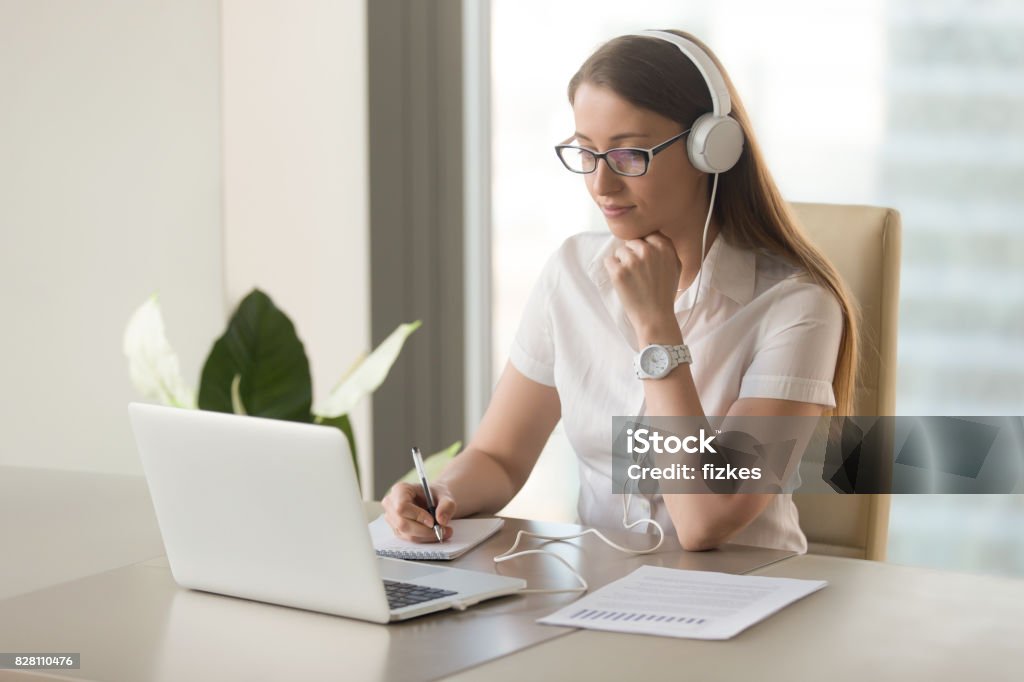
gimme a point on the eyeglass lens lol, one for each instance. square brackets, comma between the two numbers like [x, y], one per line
[622, 161]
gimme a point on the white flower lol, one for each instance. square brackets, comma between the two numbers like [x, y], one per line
[152, 363]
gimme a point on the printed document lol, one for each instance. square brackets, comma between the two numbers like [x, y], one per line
[674, 603]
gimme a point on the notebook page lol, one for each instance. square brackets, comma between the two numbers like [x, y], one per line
[466, 534]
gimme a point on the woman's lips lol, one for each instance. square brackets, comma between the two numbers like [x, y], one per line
[615, 211]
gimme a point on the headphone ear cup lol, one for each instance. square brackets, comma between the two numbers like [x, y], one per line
[715, 143]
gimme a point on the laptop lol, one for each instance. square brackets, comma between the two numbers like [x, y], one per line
[270, 510]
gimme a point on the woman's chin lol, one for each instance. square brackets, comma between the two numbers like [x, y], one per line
[626, 231]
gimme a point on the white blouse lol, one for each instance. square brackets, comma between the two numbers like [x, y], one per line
[762, 329]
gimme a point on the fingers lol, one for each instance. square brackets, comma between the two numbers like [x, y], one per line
[634, 248]
[640, 253]
[417, 533]
[626, 254]
[445, 509]
[656, 243]
[612, 266]
[659, 241]
[405, 511]
[653, 244]
[405, 514]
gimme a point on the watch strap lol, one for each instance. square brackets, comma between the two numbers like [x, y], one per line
[680, 354]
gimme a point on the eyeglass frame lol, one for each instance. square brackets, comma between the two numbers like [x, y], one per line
[649, 155]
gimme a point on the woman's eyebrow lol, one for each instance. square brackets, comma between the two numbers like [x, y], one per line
[614, 138]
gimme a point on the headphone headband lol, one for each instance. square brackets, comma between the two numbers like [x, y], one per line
[716, 141]
[721, 104]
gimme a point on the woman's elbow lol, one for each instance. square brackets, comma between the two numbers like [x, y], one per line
[701, 532]
[697, 539]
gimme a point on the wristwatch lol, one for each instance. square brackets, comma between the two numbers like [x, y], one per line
[656, 361]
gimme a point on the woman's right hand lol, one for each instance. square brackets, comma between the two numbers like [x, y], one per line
[405, 510]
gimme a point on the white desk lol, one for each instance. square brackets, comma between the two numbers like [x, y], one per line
[133, 622]
[873, 621]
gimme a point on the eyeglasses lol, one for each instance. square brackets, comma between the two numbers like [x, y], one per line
[628, 161]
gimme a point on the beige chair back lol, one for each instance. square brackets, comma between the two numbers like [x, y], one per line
[863, 243]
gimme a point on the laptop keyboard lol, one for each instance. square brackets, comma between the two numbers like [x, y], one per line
[407, 594]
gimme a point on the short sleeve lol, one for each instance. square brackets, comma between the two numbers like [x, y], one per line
[533, 349]
[795, 358]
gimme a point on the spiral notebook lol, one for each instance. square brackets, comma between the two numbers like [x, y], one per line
[466, 534]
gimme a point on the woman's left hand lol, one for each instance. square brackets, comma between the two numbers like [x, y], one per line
[645, 273]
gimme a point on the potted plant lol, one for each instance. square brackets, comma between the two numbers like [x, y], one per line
[259, 367]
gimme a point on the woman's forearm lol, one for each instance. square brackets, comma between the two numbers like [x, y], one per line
[478, 483]
[702, 521]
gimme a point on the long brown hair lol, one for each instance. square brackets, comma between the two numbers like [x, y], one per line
[653, 74]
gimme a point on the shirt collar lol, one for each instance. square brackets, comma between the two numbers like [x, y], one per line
[735, 272]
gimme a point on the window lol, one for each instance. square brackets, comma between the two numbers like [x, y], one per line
[919, 106]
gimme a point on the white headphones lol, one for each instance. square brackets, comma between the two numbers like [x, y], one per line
[716, 140]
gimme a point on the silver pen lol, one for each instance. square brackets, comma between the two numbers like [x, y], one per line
[417, 460]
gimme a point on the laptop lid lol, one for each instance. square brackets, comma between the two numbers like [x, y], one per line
[260, 508]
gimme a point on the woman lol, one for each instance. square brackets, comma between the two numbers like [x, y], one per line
[768, 324]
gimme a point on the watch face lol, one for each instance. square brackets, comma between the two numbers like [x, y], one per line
[654, 361]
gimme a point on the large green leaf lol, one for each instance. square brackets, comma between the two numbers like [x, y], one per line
[342, 422]
[261, 348]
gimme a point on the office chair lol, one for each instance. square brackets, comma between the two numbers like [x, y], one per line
[863, 243]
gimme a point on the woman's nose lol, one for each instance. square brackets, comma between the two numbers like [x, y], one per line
[606, 181]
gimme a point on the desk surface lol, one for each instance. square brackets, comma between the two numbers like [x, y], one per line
[873, 621]
[133, 622]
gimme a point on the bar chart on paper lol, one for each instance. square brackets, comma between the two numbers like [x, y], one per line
[600, 614]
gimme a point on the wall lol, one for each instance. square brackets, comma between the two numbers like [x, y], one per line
[110, 189]
[295, 169]
[193, 148]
